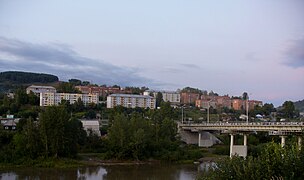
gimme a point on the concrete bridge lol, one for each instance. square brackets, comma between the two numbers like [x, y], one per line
[206, 139]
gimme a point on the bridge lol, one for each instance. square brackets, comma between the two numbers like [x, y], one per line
[205, 139]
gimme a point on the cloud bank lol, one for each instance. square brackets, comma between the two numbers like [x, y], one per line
[295, 54]
[63, 61]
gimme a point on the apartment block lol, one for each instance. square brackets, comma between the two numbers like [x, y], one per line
[253, 103]
[40, 89]
[238, 104]
[200, 103]
[220, 101]
[189, 98]
[50, 99]
[131, 101]
[102, 90]
[172, 97]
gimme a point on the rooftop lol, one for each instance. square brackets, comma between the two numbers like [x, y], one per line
[34, 86]
[129, 95]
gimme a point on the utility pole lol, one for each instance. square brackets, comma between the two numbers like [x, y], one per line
[182, 114]
[208, 114]
[247, 108]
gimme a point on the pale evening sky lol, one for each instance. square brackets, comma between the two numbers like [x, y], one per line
[229, 47]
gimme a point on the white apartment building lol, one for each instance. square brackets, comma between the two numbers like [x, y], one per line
[130, 101]
[172, 97]
[40, 89]
[50, 99]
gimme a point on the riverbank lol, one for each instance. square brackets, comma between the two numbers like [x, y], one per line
[96, 159]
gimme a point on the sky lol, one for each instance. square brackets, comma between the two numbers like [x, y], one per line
[229, 47]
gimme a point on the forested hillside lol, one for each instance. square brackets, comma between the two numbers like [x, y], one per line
[299, 105]
[11, 80]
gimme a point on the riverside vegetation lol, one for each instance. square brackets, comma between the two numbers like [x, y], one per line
[46, 135]
[272, 162]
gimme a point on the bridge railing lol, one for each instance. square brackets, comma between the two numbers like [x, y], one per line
[245, 124]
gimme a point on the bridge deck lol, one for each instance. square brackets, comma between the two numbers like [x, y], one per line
[252, 126]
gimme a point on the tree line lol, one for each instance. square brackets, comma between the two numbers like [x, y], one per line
[57, 132]
[273, 162]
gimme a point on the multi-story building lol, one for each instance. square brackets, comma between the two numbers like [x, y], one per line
[201, 103]
[189, 98]
[224, 102]
[238, 104]
[50, 99]
[102, 90]
[172, 97]
[253, 103]
[130, 101]
[40, 89]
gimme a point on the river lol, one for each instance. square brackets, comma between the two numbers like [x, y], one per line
[113, 172]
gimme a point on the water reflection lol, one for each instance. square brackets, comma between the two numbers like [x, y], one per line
[160, 171]
[91, 173]
[123, 172]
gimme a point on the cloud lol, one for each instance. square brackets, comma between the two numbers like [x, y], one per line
[171, 70]
[63, 61]
[179, 68]
[191, 66]
[251, 56]
[295, 54]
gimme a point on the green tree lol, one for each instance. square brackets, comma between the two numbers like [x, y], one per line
[74, 137]
[21, 97]
[118, 136]
[245, 96]
[75, 82]
[274, 162]
[159, 99]
[78, 105]
[28, 142]
[33, 99]
[52, 127]
[268, 109]
[66, 87]
[288, 109]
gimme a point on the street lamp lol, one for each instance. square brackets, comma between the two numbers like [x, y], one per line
[247, 109]
[208, 114]
[182, 114]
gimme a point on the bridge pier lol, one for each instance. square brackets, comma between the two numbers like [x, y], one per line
[245, 139]
[240, 150]
[283, 140]
[231, 144]
[199, 139]
[299, 142]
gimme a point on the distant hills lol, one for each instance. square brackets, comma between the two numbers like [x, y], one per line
[299, 105]
[11, 80]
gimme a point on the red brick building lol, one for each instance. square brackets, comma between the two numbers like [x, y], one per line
[189, 98]
[102, 91]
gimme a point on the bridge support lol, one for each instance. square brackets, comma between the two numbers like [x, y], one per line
[299, 142]
[199, 139]
[231, 144]
[206, 139]
[245, 139]
[240, 150]
[283, 139]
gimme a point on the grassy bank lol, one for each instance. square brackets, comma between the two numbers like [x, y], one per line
[188, 155]
[46, 163]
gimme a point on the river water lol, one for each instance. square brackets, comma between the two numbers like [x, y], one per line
[113, 172]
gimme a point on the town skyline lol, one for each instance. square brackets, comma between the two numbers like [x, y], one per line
[230, 48]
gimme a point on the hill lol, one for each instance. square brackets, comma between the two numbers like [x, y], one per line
[299, 105]
[11, 80]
